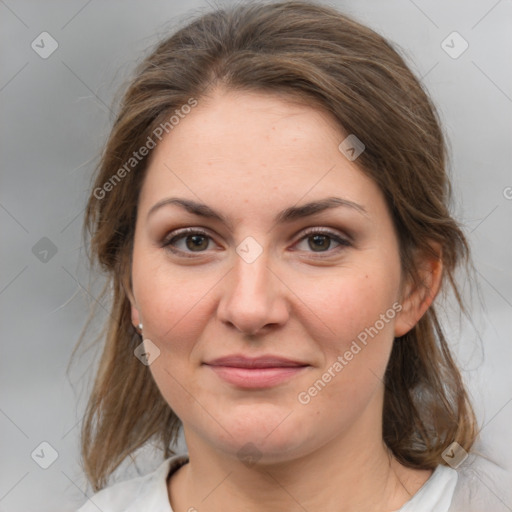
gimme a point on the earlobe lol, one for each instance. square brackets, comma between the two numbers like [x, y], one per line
[418, 298]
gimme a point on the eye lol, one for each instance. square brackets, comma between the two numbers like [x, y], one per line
[196, 240]
[320, 240]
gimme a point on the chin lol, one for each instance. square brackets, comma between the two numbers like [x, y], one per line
[267, 440]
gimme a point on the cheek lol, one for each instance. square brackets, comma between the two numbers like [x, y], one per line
[355, 350]
[176, 303]
[354, 301]
[334, 310]
[169, 299]
[172, 305]
[359, 309]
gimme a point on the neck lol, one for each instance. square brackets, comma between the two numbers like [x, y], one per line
[364, 476]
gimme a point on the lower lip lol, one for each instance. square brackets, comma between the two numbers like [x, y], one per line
[256, 377]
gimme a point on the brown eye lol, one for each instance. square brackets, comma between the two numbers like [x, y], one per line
[195, 241]
[320, 241]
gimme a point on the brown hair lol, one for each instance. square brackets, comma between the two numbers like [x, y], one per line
[305, 50]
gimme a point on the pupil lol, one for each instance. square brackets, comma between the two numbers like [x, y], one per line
[196, 244]
[323, 238]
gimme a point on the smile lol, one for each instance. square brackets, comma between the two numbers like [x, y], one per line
[256, 378]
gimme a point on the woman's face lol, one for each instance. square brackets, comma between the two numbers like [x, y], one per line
[252, 280]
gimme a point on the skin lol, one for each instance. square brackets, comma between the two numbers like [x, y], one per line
[249, 156]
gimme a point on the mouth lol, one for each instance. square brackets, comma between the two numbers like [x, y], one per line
[256, 373]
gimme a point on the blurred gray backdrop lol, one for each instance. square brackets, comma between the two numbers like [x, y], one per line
[61, 65]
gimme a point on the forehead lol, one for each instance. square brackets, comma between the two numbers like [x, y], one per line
[254, 148]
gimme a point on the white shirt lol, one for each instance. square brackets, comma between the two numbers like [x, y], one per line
[148, 493]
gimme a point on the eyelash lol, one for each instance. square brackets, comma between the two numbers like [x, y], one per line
[183, 233]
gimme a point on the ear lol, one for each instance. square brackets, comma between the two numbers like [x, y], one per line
[416, 299]
[133, 306]
[135, 317]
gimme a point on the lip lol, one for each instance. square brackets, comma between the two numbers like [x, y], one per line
[258, 372]
[264, 361]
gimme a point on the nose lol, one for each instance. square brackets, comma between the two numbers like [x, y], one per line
[253, 297]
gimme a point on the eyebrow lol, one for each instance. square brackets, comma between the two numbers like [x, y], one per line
[288, 215]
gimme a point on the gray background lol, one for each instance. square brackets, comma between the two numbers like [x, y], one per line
[56, 115]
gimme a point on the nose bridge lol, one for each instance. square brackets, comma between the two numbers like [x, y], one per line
[250, 284]
[250, 298]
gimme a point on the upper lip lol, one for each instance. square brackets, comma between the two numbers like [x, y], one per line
[265, 361]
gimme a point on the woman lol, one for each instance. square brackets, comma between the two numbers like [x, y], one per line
[272, 210]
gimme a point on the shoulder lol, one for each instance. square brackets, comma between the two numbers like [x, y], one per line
[436, 493]
[477, 485]
[143, 493]
[482, 486]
